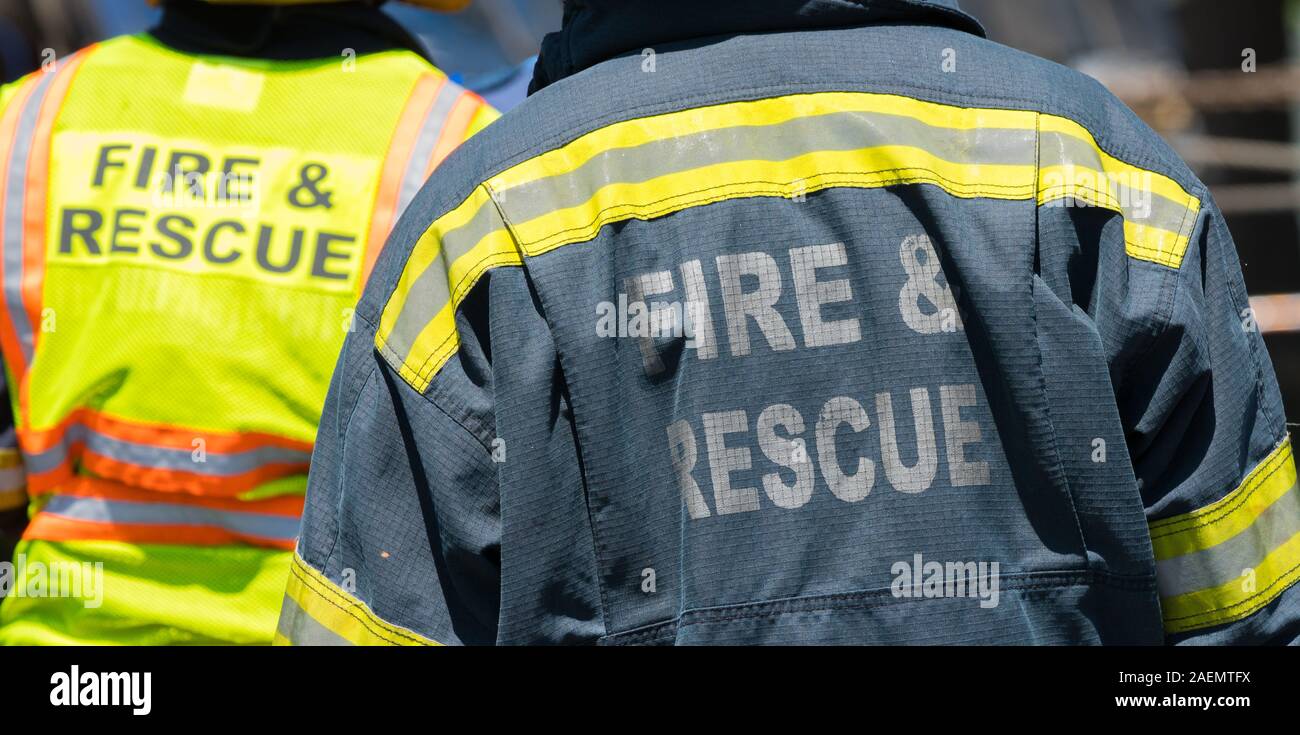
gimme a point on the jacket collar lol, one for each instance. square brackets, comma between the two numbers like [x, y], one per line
[596, 30]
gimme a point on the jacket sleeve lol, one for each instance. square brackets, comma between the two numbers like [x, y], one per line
[400, 538]
[446, 466]
[1213, 460]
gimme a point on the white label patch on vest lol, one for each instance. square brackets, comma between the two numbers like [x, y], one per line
[223, 87]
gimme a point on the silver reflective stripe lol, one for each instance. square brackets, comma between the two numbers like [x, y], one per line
[146, 455]
[14, 204]
[834, 131]
[302, 629]
[99, 510]
[1059, 149]
[430, 132]
[12, 478]
[430, 292]
[1227, 561]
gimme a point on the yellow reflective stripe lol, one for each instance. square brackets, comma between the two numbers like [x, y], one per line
[1160, 184]
[1216, 523]
[343, 614]
[759, 113]
[1236, 599]
[1225, 561]
[787, 146]
[1163, 240]
[426, 251]
[418, 335]
[1157, 245]
[438, 341]
[812, 172]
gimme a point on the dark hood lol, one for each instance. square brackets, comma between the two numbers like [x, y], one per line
[282, 32]
[596, 30]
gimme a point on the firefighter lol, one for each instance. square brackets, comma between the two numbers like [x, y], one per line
[803, 322]
[189, 215]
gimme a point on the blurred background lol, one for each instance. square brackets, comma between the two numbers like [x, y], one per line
[1178, 63]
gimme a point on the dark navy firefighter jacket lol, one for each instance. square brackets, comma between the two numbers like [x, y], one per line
[803, 321]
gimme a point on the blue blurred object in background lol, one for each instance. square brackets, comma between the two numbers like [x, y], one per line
[29, 27]
[16, 55]
[490, 47]
[116, 18]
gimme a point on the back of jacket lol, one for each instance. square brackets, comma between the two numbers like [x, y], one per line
[184, 236]
[869, 332]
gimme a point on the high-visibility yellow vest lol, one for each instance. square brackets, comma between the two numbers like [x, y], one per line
[182, 240]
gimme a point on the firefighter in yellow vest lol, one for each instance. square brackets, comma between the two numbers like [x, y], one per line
[187, 217]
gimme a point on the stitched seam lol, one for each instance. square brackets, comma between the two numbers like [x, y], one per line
[1172, 260]
[1137, 159]
[1177, 527]
[1252, 603]
[596, 544]
[391, 355]
[1161, 320]
[1038, 363]
[351, 610]
[338, 507]
[1034, 582]
[934, 178]
[465, 285]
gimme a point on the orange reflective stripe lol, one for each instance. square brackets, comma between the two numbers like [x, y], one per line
[453, 132]
[12, 346]
[24, 212]
[84, 486]
[91, 508]
[156, 457]
[158, 434]
[399, 152]
[38, 172]
[51, 527]
[155, 478]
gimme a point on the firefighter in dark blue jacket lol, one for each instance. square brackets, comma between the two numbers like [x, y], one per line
[804, 321]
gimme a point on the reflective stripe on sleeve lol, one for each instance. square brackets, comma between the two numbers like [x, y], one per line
[1159, 215]
[318, 612]
[1227, 560]
[459, 248]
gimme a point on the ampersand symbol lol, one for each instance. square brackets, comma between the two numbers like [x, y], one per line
[309, 178]
[923, 281]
